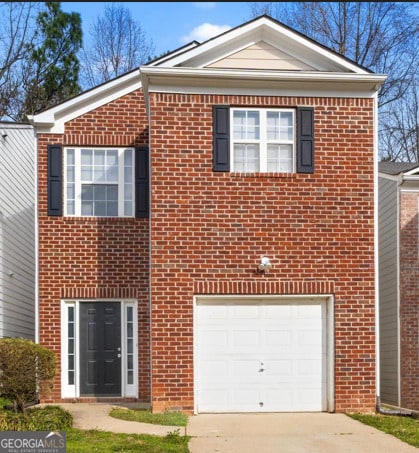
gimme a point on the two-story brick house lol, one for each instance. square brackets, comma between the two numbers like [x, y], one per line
[206, 229]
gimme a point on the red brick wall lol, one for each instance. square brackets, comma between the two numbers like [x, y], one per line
[95, 257]
[209, 231]
[409, 301]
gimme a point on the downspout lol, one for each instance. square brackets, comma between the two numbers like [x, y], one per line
[378, 407]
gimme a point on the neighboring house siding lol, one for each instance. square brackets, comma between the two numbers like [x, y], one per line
[17, 230]
[209, 230]
[95, 257]
[409, 300]
[388, 289]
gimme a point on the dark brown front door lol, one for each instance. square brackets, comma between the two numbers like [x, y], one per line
[100, 349]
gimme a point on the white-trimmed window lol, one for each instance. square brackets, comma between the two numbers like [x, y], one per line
[99, 182]
[263, 140]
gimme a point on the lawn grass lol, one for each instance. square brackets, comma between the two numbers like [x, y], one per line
[404, 428]
[146, 416]
[89, 441]
[81, 441]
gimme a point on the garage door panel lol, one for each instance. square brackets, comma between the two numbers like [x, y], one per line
[261, 357]
[245, 340]
[277, 338]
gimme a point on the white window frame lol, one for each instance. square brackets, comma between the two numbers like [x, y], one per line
[263, 141]
[78, 182]
[73, 391]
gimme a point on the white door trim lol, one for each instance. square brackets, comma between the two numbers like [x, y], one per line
[72, 389]
[329, 303]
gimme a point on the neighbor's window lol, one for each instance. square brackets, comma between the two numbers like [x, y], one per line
[99, 182]
[263, 140]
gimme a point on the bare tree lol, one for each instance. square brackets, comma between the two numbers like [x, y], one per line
[17, 30]
[380, 36]
[119, 45]
[399, 130]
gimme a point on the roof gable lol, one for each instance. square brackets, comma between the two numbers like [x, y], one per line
[278, 38]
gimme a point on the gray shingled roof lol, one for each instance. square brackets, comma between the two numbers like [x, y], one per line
[395, 168]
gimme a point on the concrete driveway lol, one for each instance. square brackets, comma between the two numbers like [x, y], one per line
[288, 433]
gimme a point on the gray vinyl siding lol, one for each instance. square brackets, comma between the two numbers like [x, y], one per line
[17, 230]
[388, 289]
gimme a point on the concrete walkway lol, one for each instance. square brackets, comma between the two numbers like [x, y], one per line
[250, 433]
[96, 416]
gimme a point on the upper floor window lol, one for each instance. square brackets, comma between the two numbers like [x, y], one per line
[99, 182]
[272, 140]
[262, 140]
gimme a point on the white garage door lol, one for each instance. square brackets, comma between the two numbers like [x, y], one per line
[261, 356]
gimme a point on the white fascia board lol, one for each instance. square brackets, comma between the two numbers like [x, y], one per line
[53, 120]
[412, 172]
[263, 29]
[398, 177]
[222, 81]
[171, 55]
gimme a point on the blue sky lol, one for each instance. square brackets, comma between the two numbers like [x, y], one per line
[171, 24]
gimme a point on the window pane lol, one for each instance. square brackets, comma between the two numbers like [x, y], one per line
[130, 377]
[112, 158]
[86, 174]
[100, 208]
[280, 158]
[129, 313]
[239, 125]
[99, 193]
[273, 126]
[112, 209]
[71, 207]
[112, 174]
[128, 208]
[128, 158]
[70, 314]
[87, 192]
[112, 193]
[70, 157]
[70, 191]
[253, 125]
[87, 157]
[99, 158]
[286, 126]
[246, 125]
[70, 174]
[86, 208]
[246, 158]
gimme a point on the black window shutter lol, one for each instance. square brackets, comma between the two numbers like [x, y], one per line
[305, 140]
[221, 137]
[55, 180]
[141, 183]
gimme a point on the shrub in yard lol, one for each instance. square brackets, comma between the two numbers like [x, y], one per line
[48, 418]
[26, 369]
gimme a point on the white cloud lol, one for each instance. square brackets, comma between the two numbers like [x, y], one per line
[205, 31]
[204, 5]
